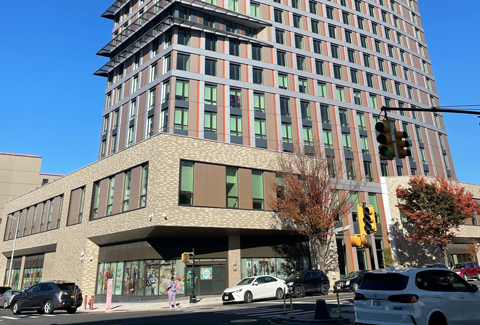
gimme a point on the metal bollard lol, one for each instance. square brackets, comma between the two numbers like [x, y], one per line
[338, 304]
[91, 303]
[284, 301]
[85, 302]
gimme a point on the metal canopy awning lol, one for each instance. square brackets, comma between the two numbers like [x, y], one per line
[110, 12]
[159, 29]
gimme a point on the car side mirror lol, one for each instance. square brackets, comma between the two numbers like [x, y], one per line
[255, 283]
[473, 288]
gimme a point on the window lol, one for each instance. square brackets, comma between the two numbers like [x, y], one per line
[378, 47]
[445, 160]
[358, 5]
[423, 156]
[282, 81]
[346, 18]
[260, 129]
[375, 28]
[186, 183]
[319, 67]
[360, 23]
[154, 48]
[410, 93]
[255, 9]
[307, 136]
[136, 60]
[363, 41]
[181, 90]
[284, 106]
[329, 12]
[257, 76]
[297, 21]
[419, 134]
[384, 170]
[348, 36]
[337, 72]
[367, 165]
[257, 189]
[325, 114]
[371, 10]
[350, 169]
[184, 37]
[167, 63]
[340, 93]
[236, 125]
[317, 46]
[143, 186]
[103, 148]
[302, 85]
[95, 198]
[357, 97]
[183, 62]
[440, 139]
[181, 118]
[165, 91]
[108, 100]
[301, 65]
[208, 20]
[315, 26]
[114, 144]
[399, 39]
[295, 4]
[313, 7]
[322, 89]
[210, 122]
[351, 56]
[384, 16]
[211, 94]
[153, 72]
[364, 143]
[233, 5]
[366, 60]
[327, 139]
[370, 80]
[354, 75]
[278, 15]
[281, 58]
[119, 94]
[210, 67]
[373, 101]
[210, 42]
[299, 41]
[259, 102]
[133, 110]
[111, 189]
[388, 103]
[232, 187]
[390, 51]
[184, 13]
[280, 36]
[287, 132]
[361, 121]
[381, 65]
[234, 47]
[234, 71]
[398, 89]
[343, 117]
[235, 98]
[305, 108]
[331, 31]
[347, 143]
[105, 124]
[135, 83]
[130, 136]
[384, 84]
[334, 49]
[150, 126]
[256, 52]
[151, 99]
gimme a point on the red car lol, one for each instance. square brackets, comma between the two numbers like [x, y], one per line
[3, 289]
[467, 270]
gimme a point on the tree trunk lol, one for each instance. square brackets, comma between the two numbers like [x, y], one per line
[315, 254]
[444, 250]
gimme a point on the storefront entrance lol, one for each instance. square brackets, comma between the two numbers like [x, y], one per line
[210, 279]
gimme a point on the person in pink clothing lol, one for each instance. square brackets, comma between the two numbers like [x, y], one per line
[172, 291]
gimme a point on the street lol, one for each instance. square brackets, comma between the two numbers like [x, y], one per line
[261, 312]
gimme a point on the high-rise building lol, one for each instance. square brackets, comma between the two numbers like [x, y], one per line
[201, 97]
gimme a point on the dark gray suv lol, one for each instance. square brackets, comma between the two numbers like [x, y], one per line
[45, 297]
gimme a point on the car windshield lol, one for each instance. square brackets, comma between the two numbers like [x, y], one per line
[295, 275]
[14, 292]
[384, 281]
[245, 281]
[66, 286]
[459, 266]
[352, 275]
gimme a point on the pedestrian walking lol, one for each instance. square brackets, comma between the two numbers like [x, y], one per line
[172, 291]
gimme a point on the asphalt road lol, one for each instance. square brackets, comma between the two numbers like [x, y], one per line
[259, 313]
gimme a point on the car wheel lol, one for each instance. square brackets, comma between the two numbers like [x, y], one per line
[324, 289]
[299, 292]
[478, 276]
[465, 277]
[72, 310]
[437, 319]
[16, 308]
[248, 297]
[48, 307]
[355, 287]
[279, 294]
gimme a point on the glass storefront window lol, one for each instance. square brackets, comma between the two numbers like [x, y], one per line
[275, 266]
[118, 279]
[32, 276]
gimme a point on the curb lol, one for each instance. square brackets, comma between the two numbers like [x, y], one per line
[333, 321]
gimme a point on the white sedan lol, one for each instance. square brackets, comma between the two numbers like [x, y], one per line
[256, 287]
[425, 296]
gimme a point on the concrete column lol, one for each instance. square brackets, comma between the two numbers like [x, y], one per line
[90, 268]
[20, 276]
[234, 260]
[48, 267]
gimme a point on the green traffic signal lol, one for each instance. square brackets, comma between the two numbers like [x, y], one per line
[384, 138]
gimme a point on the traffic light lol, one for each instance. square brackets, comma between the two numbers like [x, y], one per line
[402, 144]
[385, 149]
[358, 241]
[186, 257]
[361, 222]
[369, 219]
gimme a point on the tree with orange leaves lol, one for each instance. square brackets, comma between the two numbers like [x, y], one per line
[310, 201]
[435, 210]
[472, 249]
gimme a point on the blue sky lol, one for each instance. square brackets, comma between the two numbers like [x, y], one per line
[52, 103]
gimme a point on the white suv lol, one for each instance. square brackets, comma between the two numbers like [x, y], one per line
[416, 296]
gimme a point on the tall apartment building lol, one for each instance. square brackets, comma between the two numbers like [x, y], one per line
[201, 99]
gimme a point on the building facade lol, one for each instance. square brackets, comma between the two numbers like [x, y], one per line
[201, 98]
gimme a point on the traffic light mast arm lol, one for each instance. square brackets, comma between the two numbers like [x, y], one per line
[433, 110]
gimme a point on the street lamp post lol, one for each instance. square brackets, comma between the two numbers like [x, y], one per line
[13, 249]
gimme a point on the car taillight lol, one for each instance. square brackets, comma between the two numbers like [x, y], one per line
[405, 299]
[359, 296]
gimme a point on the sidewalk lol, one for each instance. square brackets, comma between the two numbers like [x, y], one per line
[182, 302]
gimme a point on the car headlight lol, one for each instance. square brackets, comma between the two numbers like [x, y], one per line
[290, 284]
[347, 283]
[239, 290]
